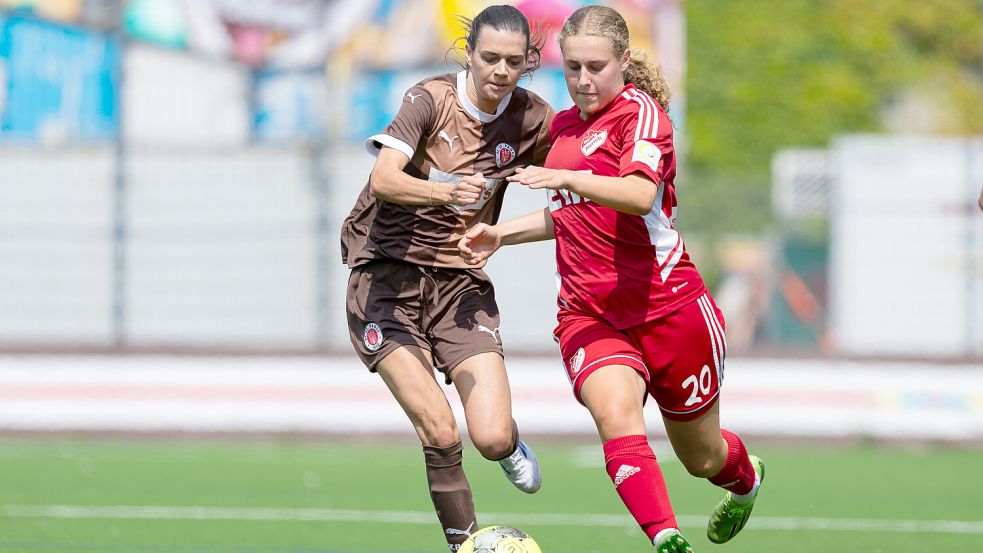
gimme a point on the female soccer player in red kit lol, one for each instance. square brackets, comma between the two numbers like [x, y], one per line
[635, 318]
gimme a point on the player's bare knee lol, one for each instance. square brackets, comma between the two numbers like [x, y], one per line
[614, 420]
[699, 465]
[440, 434]
[494, 444]
[444, 439]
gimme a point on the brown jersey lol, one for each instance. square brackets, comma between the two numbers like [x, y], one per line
[446, 138]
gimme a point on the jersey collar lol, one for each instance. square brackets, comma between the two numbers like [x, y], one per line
[617, 100]
[473, 111]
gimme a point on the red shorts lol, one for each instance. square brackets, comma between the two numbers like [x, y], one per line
[680, 356]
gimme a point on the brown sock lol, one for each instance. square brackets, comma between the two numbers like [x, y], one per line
[450, 492]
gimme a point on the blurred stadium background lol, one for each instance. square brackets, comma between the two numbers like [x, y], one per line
[173, 174]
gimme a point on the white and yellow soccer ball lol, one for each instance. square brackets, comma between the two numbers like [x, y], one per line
[500, 539]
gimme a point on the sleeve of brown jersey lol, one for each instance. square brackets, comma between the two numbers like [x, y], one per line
[413, 121]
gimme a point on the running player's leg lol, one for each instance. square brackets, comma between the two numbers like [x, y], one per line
[687, 350]
[483, 385]
[463, 325]
[614, 394]
[707, 451]
[385, 303]
[609, 377]
[408, 374]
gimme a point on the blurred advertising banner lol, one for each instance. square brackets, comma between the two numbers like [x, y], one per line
[421, 32]
[289, 105]
[171, 97]
[258, 33]
[408, 40]
[60, 82]
[306, 69]
[59, 10]
[103, 14]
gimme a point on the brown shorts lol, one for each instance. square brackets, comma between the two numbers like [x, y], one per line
[450, 313]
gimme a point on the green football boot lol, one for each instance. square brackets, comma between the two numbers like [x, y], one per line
[671, 541]
[729, 517]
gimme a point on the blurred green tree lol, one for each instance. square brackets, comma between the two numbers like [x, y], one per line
[765, 74]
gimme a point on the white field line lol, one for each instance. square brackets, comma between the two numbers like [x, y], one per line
[421, 517]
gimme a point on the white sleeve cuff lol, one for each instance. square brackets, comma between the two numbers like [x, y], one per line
[375, 143]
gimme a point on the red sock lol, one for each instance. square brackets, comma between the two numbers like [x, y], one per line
[737, 476]
[638, 480]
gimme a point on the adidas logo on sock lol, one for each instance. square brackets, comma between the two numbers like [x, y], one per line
[624, 472]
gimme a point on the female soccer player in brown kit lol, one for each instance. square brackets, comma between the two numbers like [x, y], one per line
[413, 304]
[635, 318]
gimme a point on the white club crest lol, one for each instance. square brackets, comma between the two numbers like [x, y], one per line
[592, 141]
[576, 362]
[504, 154]
[372, 337]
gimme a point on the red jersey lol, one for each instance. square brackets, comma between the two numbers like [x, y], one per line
[627, 269]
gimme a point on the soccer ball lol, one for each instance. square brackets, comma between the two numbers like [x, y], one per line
[500, 539]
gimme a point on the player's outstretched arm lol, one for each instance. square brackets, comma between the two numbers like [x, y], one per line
[388, 182]
[632, 193]
[482, 240]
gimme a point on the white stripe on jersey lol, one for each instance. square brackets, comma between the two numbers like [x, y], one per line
[583, 370]
[648, 115]
[713, 335]
[723, 336]
[668, 244]
[386, 140]
[716, 323]
[629, 97]
[673, 261]
[615, 356]
[559, 292]
[653, 128]
[695, 409]
[717, 336]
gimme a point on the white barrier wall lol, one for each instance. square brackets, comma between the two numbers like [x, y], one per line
[223, 249]
[778, 397]
[56, 216]
[906, 271]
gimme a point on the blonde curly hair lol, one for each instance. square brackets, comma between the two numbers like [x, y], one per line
[606, 22]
